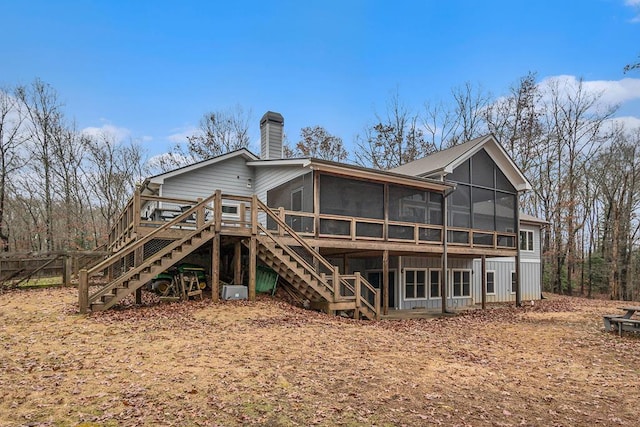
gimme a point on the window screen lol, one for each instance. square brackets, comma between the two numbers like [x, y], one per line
[461, 173]
[482, 167]
[483, 209]
[350, 197]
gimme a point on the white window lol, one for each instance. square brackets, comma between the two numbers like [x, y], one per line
[434, 283]
[461, 283]
[514, 282]
[415, 284]
[491, 282]
[526, 240]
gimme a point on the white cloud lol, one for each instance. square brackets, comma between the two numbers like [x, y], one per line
[635, 4]
[180, 134]
[119, 134]
[611, 92]
[629, 122]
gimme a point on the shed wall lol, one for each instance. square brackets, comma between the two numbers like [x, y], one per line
[530, 282]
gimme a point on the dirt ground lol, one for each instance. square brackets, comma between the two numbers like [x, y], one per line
[268, 363]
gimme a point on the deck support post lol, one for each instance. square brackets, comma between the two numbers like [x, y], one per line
[83, 291]
[253, 255]
[215, 267]
[385, 281]
[444, 279]
[517, 266]
[358, 291]
[237, 263]
[200, 213]
[336, 283]
[139, 296]
[253, 248]
[483, 269]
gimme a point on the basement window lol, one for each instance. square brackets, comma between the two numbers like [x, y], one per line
[491, 282]
[414, 284]
[461, 283]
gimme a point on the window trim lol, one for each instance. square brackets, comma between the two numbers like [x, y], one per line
[494, 281]
[512, 291]
[439, 270]
[404, 284]
[528, 242]
[462, 270]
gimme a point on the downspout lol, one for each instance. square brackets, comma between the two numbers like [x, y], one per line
[445, 260]
[517, 266]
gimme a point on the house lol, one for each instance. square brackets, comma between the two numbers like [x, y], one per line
[341, 237]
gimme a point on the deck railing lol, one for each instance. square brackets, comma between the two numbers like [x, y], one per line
[144, 212]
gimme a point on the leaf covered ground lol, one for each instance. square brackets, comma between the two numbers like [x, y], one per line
[269, 363]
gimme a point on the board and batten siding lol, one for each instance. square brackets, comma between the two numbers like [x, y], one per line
[530, 283]
[427, 263]
[231, 176]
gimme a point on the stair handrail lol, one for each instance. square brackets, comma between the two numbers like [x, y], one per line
[375, 307]
[175, 221]
[127, 275]
[293, 234]
[303, 262]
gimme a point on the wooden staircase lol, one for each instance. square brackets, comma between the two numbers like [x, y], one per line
[137, 277]
[311, 275]
[308, 273]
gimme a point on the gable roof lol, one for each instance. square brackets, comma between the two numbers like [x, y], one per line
[532, 219]
[444, 162]
[242, 152]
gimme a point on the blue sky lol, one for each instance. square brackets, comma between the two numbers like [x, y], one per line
[149, 70]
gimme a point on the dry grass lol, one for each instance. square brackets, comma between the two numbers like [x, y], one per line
[267, 363]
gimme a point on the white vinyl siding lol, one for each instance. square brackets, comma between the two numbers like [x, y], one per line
[231, 176]
[270, 177]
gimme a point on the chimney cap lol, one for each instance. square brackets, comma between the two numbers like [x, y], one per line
[271, 116]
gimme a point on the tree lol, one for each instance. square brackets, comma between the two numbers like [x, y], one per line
[112, 170]
[631, 67]
[44, 123]
[220, 132]
[394, 139]
[315, 141]
[11, 139]
[469, 104]
[574, 121]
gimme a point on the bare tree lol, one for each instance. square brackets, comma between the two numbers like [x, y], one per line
[395, 139]
[469, 105]
[316, 141]
[11, 140]
[44, 123]
[220, 132]
[112, 170]
[574, 120]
